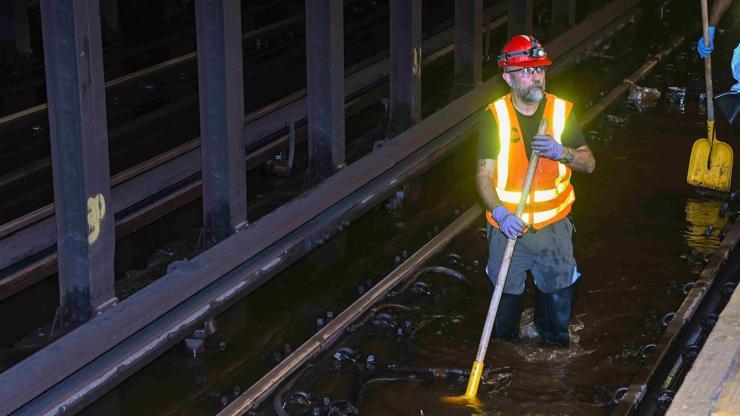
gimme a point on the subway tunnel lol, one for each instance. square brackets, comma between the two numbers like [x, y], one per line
[257, 208]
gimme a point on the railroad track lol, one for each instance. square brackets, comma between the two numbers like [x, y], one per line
[326, 338]
[181, 320]
[334, 351]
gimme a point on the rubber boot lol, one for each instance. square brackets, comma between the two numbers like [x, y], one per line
[506, 325]
[552, 316]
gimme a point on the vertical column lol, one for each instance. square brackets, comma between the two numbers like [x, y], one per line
[21, 26]
[520, 17]
[221, 96]
[325, 76]
[405, 89]
[79, 151]
[563, 14]
[468, 45]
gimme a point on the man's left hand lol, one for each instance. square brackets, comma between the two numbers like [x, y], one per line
[547, 147]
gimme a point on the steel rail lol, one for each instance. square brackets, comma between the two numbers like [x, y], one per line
[85, 363]
[154, 68]
[210, 282]
[636, 76]
[48, 210]
[43, 212]
[670, 338]
[35, 232]
[325, 337]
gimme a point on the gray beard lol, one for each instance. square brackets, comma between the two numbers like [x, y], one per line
[532, 95]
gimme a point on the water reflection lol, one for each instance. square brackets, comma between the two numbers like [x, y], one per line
[703, 224]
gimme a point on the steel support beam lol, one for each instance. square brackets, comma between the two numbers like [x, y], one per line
[221, 95]
[405, 72]
[79, 151]
[520, 17]
[145, 180]
[468, 45]
[325, 86]
[21, 27]
[563, 13]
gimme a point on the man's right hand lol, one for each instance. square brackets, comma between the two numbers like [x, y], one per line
[703, 50]
[511, 226]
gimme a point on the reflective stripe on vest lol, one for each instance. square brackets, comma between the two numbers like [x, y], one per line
[542, 216]
[548, 201]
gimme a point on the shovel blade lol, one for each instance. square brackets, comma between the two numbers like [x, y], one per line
[717, 174]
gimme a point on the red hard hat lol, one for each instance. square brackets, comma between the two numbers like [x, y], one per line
[523, 50]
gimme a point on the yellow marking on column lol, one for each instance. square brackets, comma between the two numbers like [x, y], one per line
[95, 214]
[417, 61]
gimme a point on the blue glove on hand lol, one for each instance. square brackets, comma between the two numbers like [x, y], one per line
[703, 50]
[547, 147]
[508, 223]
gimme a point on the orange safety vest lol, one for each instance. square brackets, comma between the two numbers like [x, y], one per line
[552, 195]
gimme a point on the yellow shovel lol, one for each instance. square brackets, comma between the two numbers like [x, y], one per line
[710, 165]
[475, 374]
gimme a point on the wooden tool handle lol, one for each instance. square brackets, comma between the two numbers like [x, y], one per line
[508, 253]
[531, 170]
[707, 63]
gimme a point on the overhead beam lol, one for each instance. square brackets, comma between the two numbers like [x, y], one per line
[221, 96]
[468, 45]
[79, 151]
[520, 17]
[325, 87]
[405, 71]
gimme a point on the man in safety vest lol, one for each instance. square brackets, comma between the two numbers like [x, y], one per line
[508, 133]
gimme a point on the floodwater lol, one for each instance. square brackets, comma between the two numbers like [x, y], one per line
[640, 236]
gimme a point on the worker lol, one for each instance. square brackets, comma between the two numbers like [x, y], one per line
[507, 135]
[728, 102]
[718, 9]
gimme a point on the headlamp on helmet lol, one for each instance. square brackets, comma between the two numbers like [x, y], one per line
[523, 50]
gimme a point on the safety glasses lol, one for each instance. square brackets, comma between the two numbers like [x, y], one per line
[529, 71]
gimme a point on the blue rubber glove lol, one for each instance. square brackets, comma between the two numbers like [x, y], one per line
[703, 50]
[508, 223]
[547, 147]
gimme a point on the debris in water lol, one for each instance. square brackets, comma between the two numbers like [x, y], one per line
[615, 121]
[642, 97]
[676, 97]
